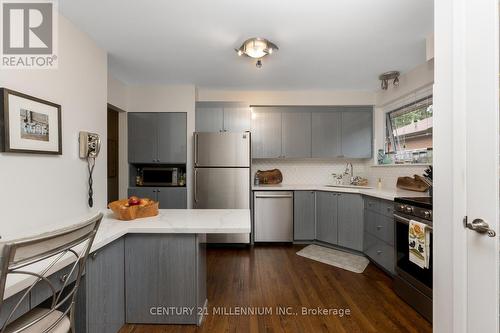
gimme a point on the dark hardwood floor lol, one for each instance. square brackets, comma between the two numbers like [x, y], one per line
[271, 276]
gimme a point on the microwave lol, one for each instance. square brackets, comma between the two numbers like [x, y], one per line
[154, 176]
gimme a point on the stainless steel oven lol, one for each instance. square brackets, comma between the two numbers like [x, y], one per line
[413, 283]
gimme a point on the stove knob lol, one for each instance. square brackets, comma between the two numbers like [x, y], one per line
[427, 214]
[409, 210]
[402, 208]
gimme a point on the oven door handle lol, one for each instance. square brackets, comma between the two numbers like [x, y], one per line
[404, 220]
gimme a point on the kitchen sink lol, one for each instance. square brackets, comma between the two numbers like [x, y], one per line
[351, 186]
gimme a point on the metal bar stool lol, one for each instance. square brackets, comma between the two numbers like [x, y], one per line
[70, 244]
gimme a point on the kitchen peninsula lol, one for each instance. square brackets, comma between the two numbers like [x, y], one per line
[149, 270]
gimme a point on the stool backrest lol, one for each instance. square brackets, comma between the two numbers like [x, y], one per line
[38, 257]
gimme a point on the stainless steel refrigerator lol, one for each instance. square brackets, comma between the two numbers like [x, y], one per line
[222, 176]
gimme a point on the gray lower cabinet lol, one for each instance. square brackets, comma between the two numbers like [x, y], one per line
[10, 303]
[357, 132]
[101, 297]
[163, 274]
[350, 221]
[327, 217]
[168, 197]
[157, 137]
[326, 134]
[172, 197]
[304, 215]
[266, 134]
[296, 134]
[379, 232]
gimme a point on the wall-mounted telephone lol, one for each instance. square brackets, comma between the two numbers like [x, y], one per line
[90, 145]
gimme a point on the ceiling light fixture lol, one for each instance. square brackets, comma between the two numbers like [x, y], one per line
[256, 48]
[385, 77]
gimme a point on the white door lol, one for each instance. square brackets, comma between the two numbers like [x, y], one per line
[466, 141]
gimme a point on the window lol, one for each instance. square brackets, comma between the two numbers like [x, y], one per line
[409, 132]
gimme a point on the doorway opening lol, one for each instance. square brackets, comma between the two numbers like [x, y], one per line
[113, 155]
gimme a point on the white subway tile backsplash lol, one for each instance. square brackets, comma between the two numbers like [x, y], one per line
[319, 172]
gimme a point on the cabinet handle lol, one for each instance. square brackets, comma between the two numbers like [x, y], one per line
[157, 190]
[379, 252]
[63, 278]
[93, 255]
[379, 227]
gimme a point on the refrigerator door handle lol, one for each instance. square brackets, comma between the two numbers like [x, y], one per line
[195, 185]
[195, 149]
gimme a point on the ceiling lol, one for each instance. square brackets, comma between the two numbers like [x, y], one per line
[324, 44]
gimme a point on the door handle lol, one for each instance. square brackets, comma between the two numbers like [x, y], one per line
[480, 226]
[196, 149]
[195, 185]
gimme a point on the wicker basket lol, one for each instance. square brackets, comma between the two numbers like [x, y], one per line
[127, 213]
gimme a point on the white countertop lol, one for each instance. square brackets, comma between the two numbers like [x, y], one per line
[169, 221]
[386, 194]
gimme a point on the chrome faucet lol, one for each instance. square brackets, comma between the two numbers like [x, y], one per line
[349, 170]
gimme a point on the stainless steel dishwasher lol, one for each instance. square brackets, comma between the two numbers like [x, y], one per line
[273, 216]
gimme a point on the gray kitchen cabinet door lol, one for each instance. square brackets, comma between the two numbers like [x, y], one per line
[143, 192]
[160, 273]
[105, 289]
[326, 217]
[172, 197]
[172, 137]
[304, 215]
[357, 132]
[266, 134]
[326, 134]
[237, 119]
[209, 119]
[350, 221]
[142, 137]
[296, 134]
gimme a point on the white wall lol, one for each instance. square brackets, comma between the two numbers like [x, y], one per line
[118, 97]
[42, 190]
[175, 98]
[276, 97]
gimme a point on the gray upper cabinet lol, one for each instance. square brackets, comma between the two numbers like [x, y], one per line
[209, 119]
[318, 132]
[326, 134]
[266, 134]
[157, 137]
[222, 117]
[304, 216]
[350, 221]
[357, 132]
[326, 217]
[142, 137]
[237, 119]
[296, 134]
[172, 136]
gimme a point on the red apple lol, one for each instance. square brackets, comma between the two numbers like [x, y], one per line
[134, 201]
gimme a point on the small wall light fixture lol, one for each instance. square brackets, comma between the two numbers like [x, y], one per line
[385, 77]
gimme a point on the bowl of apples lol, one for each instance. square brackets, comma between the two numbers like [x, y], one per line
[134, 208]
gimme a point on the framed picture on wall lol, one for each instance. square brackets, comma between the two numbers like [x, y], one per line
[29, 124]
